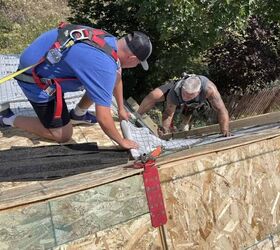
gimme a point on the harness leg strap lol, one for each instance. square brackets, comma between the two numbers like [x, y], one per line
[59, 104]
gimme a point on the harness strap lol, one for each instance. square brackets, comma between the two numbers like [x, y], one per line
[58, 108]
[36, 78]
[50, 90]
[88, 35]
[68, 35]
[46, 85]
[29, 79]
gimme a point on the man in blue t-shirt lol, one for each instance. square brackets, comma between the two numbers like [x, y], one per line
[81, 66]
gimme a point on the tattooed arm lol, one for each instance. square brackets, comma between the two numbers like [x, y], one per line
[167, 116]
[215, 99]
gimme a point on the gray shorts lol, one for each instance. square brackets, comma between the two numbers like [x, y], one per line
[165, 88]
[168, 91]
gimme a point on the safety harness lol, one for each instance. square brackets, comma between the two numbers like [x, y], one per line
[68, 35]
[198, 101]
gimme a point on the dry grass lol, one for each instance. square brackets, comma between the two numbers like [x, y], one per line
[21, 21]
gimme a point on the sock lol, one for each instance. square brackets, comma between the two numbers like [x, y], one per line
[10, 120]
[79, 111]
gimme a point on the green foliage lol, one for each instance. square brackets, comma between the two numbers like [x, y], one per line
[22, 21]
[248, 61]
[180, 31]
[267, 10]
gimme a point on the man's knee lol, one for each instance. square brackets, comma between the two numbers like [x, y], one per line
[156, 95]
[63, 139]
[63, 134]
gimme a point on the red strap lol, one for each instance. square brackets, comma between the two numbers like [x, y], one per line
[60, 80]
[98, 32]
[36, 77]
[154, 194]
[114, 54]
[61, 25]
[100, 41]
[59, 103]
[58, 108]
[56, 45]
[86, 33]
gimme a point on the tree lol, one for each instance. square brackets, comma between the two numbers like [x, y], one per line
[267, 10]
[247, 61]
[180, 31]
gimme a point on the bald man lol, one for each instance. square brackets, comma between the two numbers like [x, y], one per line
[192, 92]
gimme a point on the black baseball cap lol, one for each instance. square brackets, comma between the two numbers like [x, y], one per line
[141, 46]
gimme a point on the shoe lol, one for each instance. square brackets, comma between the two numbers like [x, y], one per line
[5, 114]
[88, 118]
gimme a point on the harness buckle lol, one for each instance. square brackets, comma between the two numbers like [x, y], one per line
[78, 34]
[50, 86]
[54, 56]
[50, 90]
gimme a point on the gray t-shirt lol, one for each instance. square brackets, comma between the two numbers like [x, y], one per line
[169, 91]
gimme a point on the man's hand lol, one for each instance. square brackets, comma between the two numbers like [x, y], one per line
[226, 133]
[162, 131]
[123, 114]
[128, 144]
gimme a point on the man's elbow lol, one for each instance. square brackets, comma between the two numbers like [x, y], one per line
[101, 118]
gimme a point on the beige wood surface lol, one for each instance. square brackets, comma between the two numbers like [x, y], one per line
[51, 223]
[225, 199]
[18, 193]
[12, 137]
[134, 234]
[146, 118]
[224, 195]
[236, 124]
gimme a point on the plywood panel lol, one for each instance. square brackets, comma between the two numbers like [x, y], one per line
[236, 124]
[12, 137]
[226, 199]
[26, 228]
[47, 224]
[137, 234]
[37, 191]
[224, 196]
[90, 211]
[94, 133]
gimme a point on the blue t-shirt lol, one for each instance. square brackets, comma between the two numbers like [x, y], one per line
[95, 70]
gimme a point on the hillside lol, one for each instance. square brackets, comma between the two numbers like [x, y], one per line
[21, 21]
